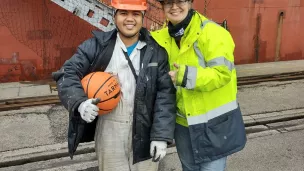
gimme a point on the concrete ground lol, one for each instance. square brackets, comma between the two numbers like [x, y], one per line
[43, 126]
[280, 152]
[25, 127]
[20, 90]
[268, 68]
[279, 148]
[277, 152]
[32, 128]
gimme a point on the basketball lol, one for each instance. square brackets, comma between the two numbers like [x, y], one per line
[104, 86]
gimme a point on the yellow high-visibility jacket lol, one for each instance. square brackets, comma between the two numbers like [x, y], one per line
[206, 87]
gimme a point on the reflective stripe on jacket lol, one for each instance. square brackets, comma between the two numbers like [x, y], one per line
[206, 87]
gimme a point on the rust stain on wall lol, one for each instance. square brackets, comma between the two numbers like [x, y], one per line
[262, 52]
[65, 53]
[43, 33]
[39, 34]
[258, 1]
[14, 69]
[257, 42]
[294, 56]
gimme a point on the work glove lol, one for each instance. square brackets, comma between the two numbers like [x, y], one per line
[88, 109]
[158, 150]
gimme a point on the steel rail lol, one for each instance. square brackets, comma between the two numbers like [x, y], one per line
[269, 78]
[15, 104]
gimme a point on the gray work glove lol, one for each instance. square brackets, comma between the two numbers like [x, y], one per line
[158, 150]
[88, 109]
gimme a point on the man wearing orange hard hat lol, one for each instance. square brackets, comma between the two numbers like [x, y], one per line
[143, 123]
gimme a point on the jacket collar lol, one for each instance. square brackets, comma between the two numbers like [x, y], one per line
[104, 37]
[191, 34]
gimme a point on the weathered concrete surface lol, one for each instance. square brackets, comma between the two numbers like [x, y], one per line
[18, 90]
[49, 123]
[33, 126]
[270, 117]
[287, 126]
[279, 152]
[59, 117]
[24, 131]
[269, 68]
[270, 97]
[36, 126]
[41, 153]
[80, 162]
[43, 125]
[170, 162]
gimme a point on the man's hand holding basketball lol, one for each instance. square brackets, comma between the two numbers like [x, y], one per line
[88, 109]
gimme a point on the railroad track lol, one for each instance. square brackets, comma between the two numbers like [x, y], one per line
[15, 104]
[268, 78]
[56, 158]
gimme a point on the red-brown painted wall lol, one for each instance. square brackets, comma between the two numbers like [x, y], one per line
[254, 27]
[42, 36]
[36, 37]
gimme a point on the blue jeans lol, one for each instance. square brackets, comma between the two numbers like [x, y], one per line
[185, 153]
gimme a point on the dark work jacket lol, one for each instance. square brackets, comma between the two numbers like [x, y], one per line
[154, 105]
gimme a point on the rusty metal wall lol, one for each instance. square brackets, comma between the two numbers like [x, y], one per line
[36, 37]
[263, 30]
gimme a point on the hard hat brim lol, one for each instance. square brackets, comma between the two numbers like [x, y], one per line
[130, 7]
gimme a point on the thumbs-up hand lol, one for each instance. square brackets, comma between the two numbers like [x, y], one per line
[89, 110]
[173, 74]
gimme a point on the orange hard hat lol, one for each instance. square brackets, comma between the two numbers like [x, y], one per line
[137, 5]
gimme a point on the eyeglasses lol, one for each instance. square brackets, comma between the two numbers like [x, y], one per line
[169, 3]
